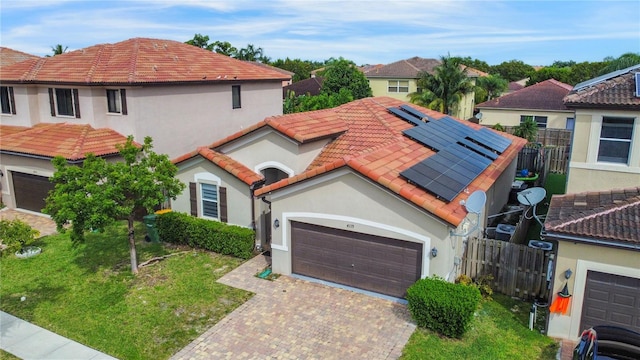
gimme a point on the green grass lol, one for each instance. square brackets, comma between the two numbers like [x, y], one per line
[554, 184]
[88, 293]
[499, 331]
[7, 356]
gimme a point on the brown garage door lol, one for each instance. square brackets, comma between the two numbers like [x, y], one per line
[374, 263]
[31, 191]
[611, 300]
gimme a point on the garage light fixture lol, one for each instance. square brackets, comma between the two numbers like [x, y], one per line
[276, 223]
[567, 274]
[434, 252]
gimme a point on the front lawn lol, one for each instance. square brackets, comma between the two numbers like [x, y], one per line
[87, 293]
[499, 331]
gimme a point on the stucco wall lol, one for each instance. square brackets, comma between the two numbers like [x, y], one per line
[262, 148]
[344, 200]
[178, 118]
[380, 87]
[238, 196]
[585, 172]
[580, 258]
[511, 117]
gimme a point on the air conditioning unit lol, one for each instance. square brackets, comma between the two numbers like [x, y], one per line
[537, 244]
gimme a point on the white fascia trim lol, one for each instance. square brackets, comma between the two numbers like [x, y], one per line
[29, 170]
[249, 138]
[206, 177]
[613, 167]
[273, 164]
[286, 216]
[580, 284]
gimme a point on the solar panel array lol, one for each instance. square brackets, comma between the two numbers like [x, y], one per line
[462, 153]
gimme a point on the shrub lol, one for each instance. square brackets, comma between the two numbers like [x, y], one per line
[180, 228]
[16, 234]
[441, 306]
[482, 283]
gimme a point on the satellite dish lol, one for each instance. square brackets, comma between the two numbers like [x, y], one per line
[532, 196]
[475, 202]
[479, 116]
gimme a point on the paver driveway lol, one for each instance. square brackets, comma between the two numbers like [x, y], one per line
[291, 318]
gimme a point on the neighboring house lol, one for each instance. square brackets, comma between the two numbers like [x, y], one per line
[178, 94]
[10, 56]
[306, 87]
[514, 86]
[400, 78]
[541, 102]
[605, 152]
[364, 194]
[26, 154]
[598, 240]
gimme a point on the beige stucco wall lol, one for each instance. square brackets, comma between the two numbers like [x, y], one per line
[344, 200]
[238, 195]
[266, 148]
[580, 258]
[585, 172]
[178, 118]
[511, 117]
[380, 87]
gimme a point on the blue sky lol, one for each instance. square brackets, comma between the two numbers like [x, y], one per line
[367, 32]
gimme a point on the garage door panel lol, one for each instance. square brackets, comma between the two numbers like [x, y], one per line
[611, 300]
[378, 264]
[31, 191]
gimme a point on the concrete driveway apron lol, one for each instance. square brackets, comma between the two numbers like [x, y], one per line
[291, 318]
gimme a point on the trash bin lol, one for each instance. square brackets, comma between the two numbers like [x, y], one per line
[152, 230]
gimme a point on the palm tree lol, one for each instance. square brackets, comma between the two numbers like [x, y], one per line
[623, 62]
[443, 90]
[57, 50]
[494, 85]
[250, 53]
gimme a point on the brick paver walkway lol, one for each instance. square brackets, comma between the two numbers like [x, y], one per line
[295, 319]
[42, 223]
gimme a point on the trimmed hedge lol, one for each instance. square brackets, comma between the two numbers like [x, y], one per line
[183, 229]
[441, 306]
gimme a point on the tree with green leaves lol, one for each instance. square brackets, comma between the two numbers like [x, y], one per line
[562, 74]
[250, 53]
[513, 70]
[624, 61]
[224, 48]
[444, 89]
[528, 129]
[474, 63]
[201, 41]
[58, 49]
[294, 104]
[98, 193]
[301, 68]
[493, 86]
[344, 74]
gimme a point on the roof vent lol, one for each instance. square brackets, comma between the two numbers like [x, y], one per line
[637, 84]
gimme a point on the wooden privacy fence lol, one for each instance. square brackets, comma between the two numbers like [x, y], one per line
[548, 137]
[517, 270]
[556, 159]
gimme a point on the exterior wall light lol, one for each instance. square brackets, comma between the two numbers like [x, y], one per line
[567, 274]
[434, 252]
[276, 223]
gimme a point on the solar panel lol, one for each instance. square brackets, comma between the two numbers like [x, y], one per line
[477, 148]
[415, 112]
[405, 116]
[429, 137]
[491, 140]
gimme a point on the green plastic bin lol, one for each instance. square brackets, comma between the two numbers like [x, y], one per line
[152, 231]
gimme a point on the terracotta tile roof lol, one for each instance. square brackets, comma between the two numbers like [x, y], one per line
[137, 61]
[545, 95]
[226, 163]
[68, 140]
[515, 86]
[612, 90]
[374, 147]
[10, 56]
[612, 215]
[404, 69]
[309, 86]
[267, 66]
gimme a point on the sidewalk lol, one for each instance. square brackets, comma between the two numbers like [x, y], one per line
[28, 341]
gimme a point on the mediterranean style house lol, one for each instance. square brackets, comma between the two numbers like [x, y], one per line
[400, 78]
[541, 102]
[369, 194]
[605, 151]
[180, 95]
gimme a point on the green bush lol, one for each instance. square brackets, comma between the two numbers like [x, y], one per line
[441, 306]
[180, 228]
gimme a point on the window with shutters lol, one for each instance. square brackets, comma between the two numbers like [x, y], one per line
[117, 101]
[209, 198]
[7, 100]
[64, 102]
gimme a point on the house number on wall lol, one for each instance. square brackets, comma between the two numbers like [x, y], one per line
[350, 226]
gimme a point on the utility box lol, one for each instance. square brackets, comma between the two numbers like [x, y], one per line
[505, 231]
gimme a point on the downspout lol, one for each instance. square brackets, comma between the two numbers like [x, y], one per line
[252, 189]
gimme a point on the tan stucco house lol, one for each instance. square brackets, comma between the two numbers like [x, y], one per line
[605, 152]
[541, 102]
[180, 95]
[400, 78]
[598, 249]
[353, 195]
